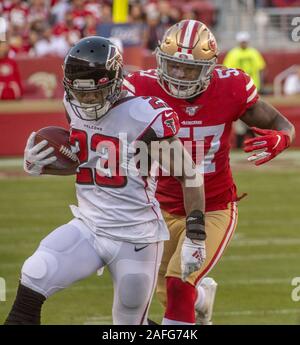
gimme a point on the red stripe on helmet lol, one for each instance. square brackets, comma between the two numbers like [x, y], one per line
[185, 25]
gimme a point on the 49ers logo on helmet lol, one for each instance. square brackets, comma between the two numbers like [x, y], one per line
[212, 43]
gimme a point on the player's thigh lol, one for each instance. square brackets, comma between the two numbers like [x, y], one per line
[134, 271]
[220, 226]
[63, 257]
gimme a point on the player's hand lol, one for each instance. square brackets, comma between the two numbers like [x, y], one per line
[193, 255]
[35, 158]
[267, 145]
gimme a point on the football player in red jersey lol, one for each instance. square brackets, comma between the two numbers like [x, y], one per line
[208, 99]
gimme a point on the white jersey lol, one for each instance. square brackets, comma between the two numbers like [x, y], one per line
[114, 205]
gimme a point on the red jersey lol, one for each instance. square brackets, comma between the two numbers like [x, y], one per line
[10, 81]
[208, 117]
[16, 14]
[79, 17]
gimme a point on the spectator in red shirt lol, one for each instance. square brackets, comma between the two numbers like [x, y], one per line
[67, 29]
[79, 13]
[49, 44]
[10, 81]
[16, 11]
[18, 45]
[94, 7]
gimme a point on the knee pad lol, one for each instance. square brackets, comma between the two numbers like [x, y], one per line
[134, 290]
[38, 270]
[44, 263]
[58, 261]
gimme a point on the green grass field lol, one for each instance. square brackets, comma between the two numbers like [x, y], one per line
[254, 275]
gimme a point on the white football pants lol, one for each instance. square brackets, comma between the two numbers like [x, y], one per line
[73, 252]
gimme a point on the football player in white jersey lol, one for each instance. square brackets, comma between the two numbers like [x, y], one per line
[117, 222]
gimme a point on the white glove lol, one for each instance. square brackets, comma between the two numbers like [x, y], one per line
[35, 159]
[193, 255]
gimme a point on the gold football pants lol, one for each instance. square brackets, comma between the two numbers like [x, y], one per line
[220, 226]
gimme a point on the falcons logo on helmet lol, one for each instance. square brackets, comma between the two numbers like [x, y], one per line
[114, 59]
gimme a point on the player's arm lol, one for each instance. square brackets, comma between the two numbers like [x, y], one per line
[165, 148]
[275, 132]
[263, 115]
[176, 161]
[60, 172]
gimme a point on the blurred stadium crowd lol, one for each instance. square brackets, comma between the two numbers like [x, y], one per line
[42, 27]
[50, 27]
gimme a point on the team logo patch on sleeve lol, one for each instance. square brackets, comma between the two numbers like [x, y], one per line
[170, 123]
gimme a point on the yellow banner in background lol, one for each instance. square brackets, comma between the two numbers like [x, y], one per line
[120, 11]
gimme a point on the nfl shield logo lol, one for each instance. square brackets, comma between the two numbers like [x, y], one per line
[191, 111]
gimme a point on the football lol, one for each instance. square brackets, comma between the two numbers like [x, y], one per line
[58, 138]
